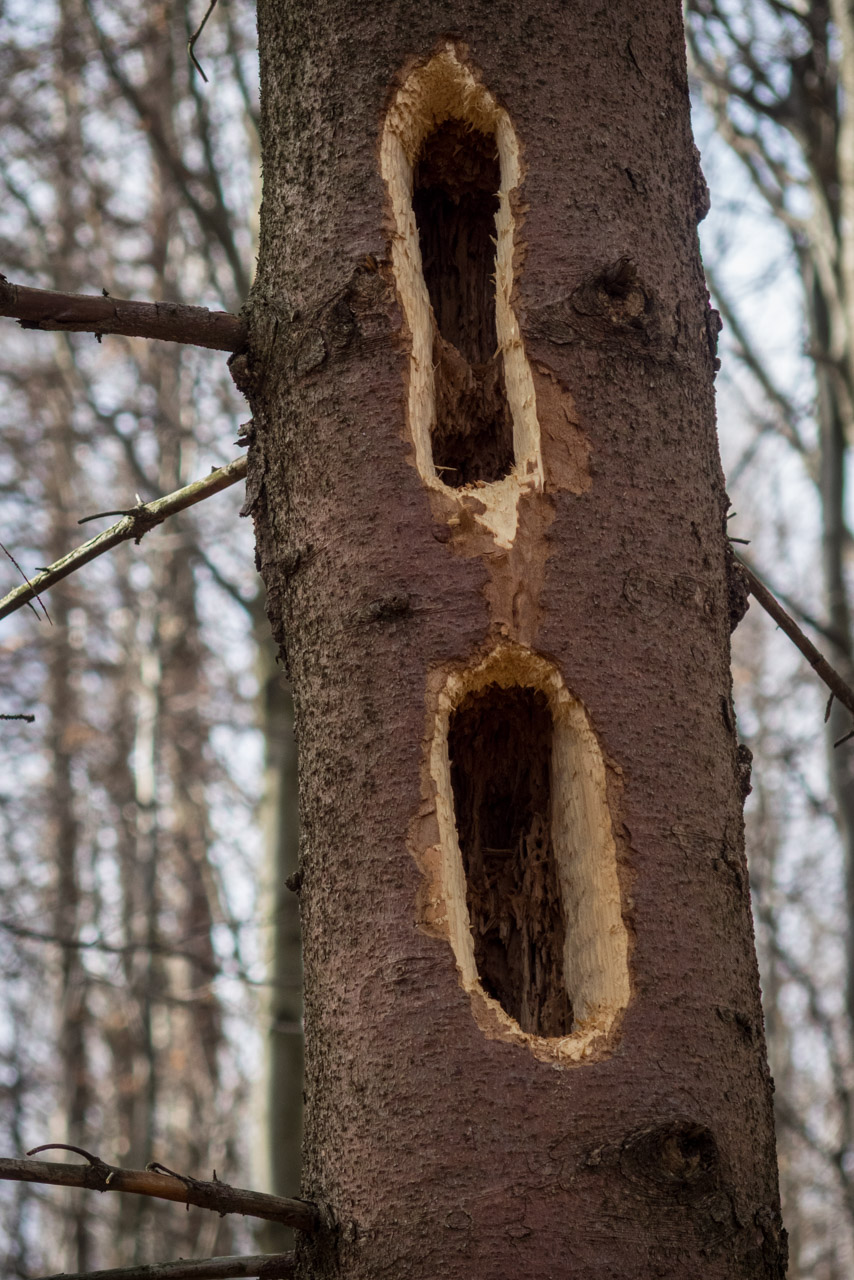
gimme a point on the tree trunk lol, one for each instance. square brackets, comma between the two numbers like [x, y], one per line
[491, 522]
[280, 1141]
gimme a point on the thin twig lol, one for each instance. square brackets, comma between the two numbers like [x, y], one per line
[194, 38]
[831, 677]
[267, 1266]
[102, 515]
[219, 1197]
[67, 1146]
[138, 521]
[35, 595]
[21, 715]
[752, 360]
[94, 313]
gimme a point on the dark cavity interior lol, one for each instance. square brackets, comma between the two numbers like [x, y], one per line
[500, 745]
[455, 199]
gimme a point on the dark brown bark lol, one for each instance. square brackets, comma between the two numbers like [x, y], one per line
[443, 1139]
[88, 313]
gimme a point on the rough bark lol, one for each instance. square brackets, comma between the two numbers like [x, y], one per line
[443, 1138]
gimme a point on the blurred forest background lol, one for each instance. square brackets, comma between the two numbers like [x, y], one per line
[150, 999]
[140, 813]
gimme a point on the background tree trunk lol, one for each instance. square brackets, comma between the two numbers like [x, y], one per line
[129, 919]
[776, 79]
[445, 1137]
[280, 1138]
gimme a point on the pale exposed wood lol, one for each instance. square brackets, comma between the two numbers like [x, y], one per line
[445, 89]
[596, 947]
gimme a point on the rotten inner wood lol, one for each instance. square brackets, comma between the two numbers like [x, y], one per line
[500, 746]
[455, 200]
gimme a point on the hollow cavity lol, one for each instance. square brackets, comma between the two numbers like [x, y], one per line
[500, 747]
[524, 881]
[455, 200]
[450, 160]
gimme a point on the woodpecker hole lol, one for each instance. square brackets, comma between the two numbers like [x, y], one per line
[523, 882]
[455, 199]
[500, 748]
[450, 159]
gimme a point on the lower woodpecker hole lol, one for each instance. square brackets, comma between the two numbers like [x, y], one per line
[455, 199]
[500, 748]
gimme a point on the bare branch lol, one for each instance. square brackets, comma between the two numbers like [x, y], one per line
[266, 1266]
[102, 947]
[831, 677]
[215, 221]
[134, 524]
[194, 37]
[219, 1197]
[788, 417]
[88, 313]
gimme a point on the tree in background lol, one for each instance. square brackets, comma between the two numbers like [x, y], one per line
[130, 899]
[779, 81]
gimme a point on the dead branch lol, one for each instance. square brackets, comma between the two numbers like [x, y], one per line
[89, 313]
[219, 1197]
[831, 677]
[266, 1266]
[194, 37]
[135, 523]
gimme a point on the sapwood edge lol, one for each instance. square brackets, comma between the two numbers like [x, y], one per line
[595, 951]
[444, 88]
